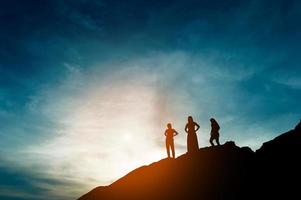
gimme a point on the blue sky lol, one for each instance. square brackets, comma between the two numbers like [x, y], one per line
[84, 84]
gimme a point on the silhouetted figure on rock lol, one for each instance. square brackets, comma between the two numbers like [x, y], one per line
[228, 172]
[192, 141]
[214, 135]
[170, 133]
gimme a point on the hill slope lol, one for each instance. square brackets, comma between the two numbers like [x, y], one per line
[223, 172]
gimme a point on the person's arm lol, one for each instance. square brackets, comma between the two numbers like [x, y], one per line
[165, 133]
[197, 126]
[218, 127]
[176, 133]
[186, 128]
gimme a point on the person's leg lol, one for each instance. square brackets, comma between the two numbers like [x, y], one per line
[211, 141]
[217, 141]
[167, 148]
[172, 146]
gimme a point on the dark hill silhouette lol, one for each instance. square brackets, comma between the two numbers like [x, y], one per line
[219, 172]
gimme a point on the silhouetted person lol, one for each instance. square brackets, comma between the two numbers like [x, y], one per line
[170, 133]
[214, 135]
[192, 140]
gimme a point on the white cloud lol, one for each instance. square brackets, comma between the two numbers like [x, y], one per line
[107, 123]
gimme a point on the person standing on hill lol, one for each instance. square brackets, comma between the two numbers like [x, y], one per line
[192, 140]
[214, 132]
[170, 133]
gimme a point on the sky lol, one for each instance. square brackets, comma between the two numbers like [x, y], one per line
[87, 87]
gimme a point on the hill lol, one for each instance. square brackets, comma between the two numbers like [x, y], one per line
[220, 172]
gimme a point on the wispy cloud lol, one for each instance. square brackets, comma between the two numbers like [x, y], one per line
[84, 84]
[12, 192]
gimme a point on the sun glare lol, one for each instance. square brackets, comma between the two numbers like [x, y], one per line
[127, 137]
[111, 127]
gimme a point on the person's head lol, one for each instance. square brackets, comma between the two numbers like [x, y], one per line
[169, 125]
[190, 119]
[212, 120]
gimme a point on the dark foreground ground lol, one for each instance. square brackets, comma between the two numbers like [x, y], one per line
[223, 172]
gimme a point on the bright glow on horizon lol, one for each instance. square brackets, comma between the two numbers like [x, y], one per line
[87, 87]
[106, 125]
[112, 131]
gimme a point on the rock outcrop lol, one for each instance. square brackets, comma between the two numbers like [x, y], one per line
[220, 172]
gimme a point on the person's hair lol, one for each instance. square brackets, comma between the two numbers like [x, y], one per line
[190, 119]
[169, 125]
[212, 120]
